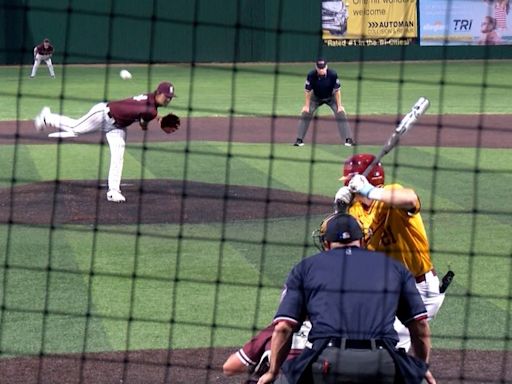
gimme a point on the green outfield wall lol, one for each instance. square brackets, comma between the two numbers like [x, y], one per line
[102, 31]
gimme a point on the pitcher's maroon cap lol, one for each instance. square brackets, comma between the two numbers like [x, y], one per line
[166, 88]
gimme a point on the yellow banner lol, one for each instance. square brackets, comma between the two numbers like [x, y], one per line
[369, 19]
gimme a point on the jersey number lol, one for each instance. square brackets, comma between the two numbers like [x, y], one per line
[140, 97]
[387, 238]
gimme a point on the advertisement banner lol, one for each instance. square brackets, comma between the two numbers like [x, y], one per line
[369, 22]
[465, 22]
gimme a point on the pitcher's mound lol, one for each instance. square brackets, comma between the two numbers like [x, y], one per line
[151, 201]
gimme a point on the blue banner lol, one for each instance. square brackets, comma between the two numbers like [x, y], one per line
[465, 22]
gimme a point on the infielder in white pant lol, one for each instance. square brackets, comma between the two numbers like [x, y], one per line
[113, 118]
[43, 52]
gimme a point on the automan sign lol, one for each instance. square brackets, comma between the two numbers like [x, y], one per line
[378, 20]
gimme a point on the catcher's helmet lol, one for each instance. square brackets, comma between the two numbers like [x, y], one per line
[337, 227]
[357, 164]
[318, 234]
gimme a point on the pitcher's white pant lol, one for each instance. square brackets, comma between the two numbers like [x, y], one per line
[116, 141]
[37, 61]
[95, 120]
[432, 298]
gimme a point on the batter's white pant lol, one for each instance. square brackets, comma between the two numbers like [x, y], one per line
[97, 119]
[37, 61]
[432, 298]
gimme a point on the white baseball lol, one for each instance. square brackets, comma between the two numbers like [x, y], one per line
[125, 75]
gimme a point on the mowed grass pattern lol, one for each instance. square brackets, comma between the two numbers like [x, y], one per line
[84, 288]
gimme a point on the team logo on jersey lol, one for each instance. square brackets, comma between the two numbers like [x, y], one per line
[140, 97]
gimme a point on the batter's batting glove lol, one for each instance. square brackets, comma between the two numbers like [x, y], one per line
[344, 195]
[170, 123]
[359, 184]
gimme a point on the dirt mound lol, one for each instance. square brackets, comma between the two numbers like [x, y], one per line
[151, 201]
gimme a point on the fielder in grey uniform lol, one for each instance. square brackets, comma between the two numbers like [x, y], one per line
[43, 52]
[112, 118]
[323, 87]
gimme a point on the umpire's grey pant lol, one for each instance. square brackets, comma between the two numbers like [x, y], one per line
[335, 365]
[341, 118]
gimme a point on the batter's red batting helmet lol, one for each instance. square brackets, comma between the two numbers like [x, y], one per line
[357, 164]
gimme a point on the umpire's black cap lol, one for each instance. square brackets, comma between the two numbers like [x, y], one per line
[343, 228]
[321, 63]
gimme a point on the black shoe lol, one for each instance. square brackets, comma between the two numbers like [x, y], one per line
[349, 142]
[299, 143]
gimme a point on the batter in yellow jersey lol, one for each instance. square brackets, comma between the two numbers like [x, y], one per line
[399, 233]
[391, 221]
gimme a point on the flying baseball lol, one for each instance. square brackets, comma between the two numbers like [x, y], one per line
[125, 75]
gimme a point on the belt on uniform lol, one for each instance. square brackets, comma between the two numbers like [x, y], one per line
[354, 343]
[112, 117]
[422, 278]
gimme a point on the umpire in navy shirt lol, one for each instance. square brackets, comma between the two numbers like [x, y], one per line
[323, 87]
[351, 297]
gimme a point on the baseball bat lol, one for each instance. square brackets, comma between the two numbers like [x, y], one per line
[403, 127]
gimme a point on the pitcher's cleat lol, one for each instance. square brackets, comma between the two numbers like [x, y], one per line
[115, 196]
[40, 120]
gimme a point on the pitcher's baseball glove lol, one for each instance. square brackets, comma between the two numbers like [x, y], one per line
[170, 123]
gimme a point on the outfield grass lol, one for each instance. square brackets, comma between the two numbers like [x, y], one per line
[264, 89]
[71, 288]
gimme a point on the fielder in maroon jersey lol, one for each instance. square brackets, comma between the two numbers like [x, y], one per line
[43, 52]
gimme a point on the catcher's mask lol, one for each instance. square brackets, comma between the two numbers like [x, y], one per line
[357, 164]
[339, 227]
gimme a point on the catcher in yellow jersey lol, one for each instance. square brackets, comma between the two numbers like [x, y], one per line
[391, 221]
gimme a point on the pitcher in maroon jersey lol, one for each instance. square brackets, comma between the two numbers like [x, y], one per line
[113, 118]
